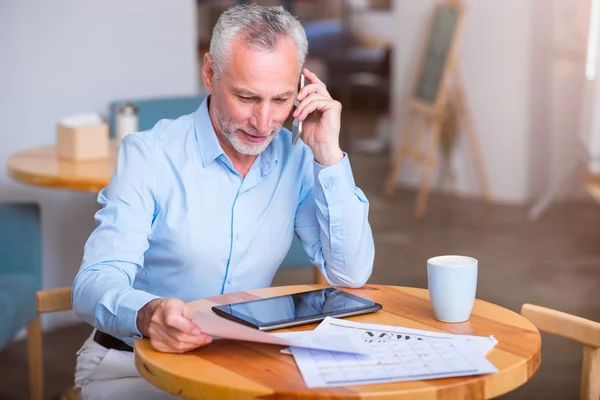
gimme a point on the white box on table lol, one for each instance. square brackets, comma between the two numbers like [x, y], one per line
[82, 137]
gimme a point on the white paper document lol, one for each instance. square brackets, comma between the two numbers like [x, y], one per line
[384, 333]
[395, 354]
[220, 327]
[391, 361]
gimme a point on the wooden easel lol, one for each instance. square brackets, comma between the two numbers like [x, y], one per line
[428, 105]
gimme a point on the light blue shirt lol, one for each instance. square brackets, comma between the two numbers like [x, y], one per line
[177, 220]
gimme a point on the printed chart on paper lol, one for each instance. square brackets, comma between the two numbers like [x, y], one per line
[394, 356]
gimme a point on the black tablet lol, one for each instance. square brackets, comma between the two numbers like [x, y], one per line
[296, 309]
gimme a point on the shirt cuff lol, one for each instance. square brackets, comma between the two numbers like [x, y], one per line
[335, 183]
[129, 307]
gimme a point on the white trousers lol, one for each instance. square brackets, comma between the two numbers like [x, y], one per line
[111, 374]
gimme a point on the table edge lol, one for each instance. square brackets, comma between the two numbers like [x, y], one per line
[49, 181]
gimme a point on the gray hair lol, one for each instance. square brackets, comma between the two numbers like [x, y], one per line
[260, 26]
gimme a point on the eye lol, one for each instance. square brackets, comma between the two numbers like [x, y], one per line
[247, 99]
[281, 101]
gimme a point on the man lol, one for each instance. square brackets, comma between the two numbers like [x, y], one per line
[209, 203]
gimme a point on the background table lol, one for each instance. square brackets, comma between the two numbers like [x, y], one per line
[42, 167]
[243, 370]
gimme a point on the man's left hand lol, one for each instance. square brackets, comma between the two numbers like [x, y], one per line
[321, 131]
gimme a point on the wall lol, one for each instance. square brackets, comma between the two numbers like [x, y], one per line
[494, 63]
[63, 57]
[521, 63]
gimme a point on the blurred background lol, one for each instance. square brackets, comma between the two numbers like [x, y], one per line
[514, 184]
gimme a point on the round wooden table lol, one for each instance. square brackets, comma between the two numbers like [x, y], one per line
[42, 167]
[243, 370]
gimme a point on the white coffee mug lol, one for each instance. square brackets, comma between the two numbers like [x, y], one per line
[452, 282]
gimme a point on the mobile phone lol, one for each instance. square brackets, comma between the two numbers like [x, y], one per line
[297, 125]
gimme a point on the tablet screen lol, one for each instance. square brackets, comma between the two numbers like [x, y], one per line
[297, 306]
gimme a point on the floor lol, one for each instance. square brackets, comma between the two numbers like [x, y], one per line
[554, 261]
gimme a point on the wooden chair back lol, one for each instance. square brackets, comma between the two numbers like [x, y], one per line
[47, 301]
[574, 328]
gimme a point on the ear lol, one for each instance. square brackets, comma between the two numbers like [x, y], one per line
[208, 74]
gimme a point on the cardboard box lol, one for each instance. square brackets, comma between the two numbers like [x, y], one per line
[80, 143]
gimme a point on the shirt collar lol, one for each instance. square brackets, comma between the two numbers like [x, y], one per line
[210, 148]
[268, 158]
[206, 137]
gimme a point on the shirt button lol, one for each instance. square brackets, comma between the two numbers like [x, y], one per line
[237, 236]
[328, 185]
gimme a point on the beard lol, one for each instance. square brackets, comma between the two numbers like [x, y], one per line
[234, 133]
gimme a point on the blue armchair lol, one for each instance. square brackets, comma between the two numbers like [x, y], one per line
[150, 111]
[20, 267]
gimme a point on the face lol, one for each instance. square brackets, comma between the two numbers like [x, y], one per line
[254, 94]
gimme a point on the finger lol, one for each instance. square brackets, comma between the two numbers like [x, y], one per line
[311, 76]
[159, 345]
[316, 103]
[178, 347]
[313, 88]
[166, 343]
[174, 319]
[177, 336]
[314, 79]
[188, 311]
[320, 105]
[305, 102]
[193, 343]
[162, 342]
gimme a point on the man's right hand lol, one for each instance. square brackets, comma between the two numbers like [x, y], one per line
[168, 324]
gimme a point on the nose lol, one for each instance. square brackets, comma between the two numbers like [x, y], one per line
[261, 118]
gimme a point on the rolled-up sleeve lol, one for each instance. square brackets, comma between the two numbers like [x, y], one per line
[103, 295]
[332, 223]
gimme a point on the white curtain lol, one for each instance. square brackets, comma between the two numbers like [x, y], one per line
[590, 113]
